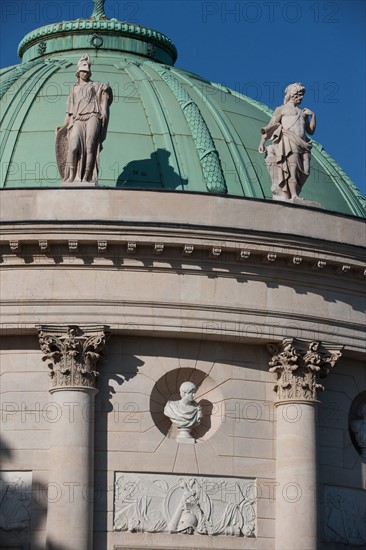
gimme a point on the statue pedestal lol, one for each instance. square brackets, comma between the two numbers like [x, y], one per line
[77, 184]
[303, 202]
[184, 436]
[297, 200]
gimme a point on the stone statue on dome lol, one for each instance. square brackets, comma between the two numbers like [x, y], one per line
[80, 140]
[288, 157]
[186, 413]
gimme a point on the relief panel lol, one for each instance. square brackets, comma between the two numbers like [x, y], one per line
[15, 500]
[345, 515]
[185, 504]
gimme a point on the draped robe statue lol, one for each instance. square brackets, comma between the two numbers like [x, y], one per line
[288, 157]
[186, 413]
[80, 140]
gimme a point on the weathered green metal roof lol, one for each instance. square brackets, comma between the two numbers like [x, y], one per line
[110, 34]
[169, 129]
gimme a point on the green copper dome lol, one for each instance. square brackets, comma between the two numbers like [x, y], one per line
[168, 129]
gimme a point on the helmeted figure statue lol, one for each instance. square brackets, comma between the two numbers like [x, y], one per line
[186, 413]
[288, 157]
[189, 517]
[79, 141]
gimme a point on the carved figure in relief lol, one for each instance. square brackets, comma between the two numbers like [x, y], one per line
[186, 413]
[345, 516]
[359, 430]
[184, 505]
[189, 517]
[138, 506]
[14, 506]
[288, 157]
[80, 140]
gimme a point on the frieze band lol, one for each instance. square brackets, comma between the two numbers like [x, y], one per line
[157, 503]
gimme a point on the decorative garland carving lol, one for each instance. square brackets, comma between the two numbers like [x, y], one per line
[42, 47]
[72, 354]
[151, 50]
[96, 41]
[298, 365]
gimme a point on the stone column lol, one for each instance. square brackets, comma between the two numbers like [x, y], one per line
[71, 353]
[298, 366]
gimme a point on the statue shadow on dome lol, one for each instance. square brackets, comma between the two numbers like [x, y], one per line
[152, 173]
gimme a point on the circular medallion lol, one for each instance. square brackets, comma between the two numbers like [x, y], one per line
[96, 41]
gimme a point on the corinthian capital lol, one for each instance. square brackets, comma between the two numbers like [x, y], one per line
[299, 365]
[72, 353]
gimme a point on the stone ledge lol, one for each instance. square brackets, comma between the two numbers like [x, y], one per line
[133, 317]
[208, 212]
[84, 247]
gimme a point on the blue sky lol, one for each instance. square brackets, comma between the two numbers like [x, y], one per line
[256, 47]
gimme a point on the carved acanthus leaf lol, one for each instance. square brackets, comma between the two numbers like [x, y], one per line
[72, 353]
[298, 364]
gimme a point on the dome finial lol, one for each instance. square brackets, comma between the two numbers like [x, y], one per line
[98, 12]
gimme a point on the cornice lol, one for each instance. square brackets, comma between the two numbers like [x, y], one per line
[102, 27]
[191, 249]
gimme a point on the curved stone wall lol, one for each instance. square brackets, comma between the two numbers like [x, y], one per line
[182, 264]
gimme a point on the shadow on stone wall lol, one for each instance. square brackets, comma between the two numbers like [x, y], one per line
[116, 370]
[23, 505]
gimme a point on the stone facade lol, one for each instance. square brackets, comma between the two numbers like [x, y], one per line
[251, 301]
